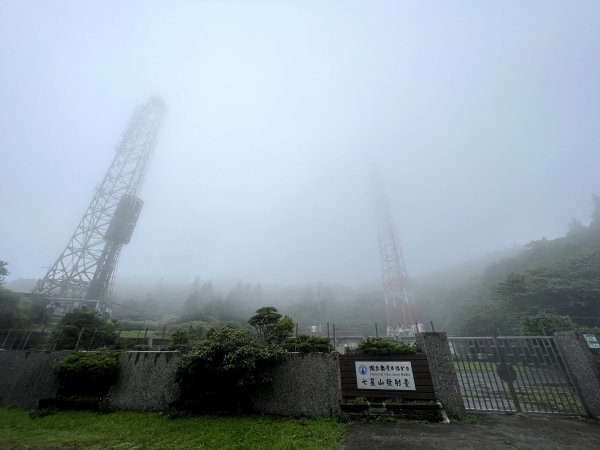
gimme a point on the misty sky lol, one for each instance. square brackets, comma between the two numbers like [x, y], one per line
[483, 117]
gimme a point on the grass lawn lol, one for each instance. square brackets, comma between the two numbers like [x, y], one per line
[475, 366]
[140, 334]
[127, 430]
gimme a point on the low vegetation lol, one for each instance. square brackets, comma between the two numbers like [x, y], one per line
[309, 344]
[83, 328]
[220, 372]
[381, 346]
[70, 429]
[86, 374]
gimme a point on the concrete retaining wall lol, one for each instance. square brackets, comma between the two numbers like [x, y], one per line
[304, 385]
[145, 381]
[582, 369]
[26, 377]
[443, 374]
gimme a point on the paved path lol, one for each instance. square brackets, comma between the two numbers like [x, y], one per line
[495, 432]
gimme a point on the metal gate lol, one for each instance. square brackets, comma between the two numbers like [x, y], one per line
[515, 373]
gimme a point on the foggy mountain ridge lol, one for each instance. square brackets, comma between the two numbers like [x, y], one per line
[559, 276]
[353, 307]
[462, 299]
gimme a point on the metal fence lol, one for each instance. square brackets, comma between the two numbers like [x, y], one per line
[515, 373]
[157, 338]
[343, 337]
[49, 339]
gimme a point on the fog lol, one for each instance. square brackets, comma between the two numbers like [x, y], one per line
[481, 116]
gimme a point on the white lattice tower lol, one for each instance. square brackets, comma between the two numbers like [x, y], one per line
[84, 273]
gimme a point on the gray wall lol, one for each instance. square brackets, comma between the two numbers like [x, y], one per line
[145, 381]
[26, 377]
[582, 369]
[443, 374]
[304, 385]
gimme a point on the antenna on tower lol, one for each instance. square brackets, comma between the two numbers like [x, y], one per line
[399, 302]
[84, 273]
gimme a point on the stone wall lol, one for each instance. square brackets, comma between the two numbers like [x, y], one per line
[26, 377]
[145, 381]
[443, 374]
[582, 369]
[304, 385]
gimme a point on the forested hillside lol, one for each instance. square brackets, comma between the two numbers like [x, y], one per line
[493, 295]
[559, 276]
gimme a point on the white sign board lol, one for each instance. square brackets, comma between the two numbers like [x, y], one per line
[591, 340]
[385, 375]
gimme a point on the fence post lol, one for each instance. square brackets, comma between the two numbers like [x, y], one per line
[57, 338]
[26, 340]
[162, 337]
[117, 339]
[79, 338]
[296, 339]
[20, 346]
[445, 383]
[6, 339]
[92, 341]
[334, 342]
[581, 368]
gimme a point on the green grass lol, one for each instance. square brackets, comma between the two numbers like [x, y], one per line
[127, 430]
[482, 366]
[555, 397]
[475, 366]
[140, 334]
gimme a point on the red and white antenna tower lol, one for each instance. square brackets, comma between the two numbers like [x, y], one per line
[399, 303]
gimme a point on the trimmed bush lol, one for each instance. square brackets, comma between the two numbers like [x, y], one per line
[309, 344]
[86, 374]
[381, 346]
[218, 375]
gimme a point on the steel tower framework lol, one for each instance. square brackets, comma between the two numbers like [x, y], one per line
[399, 302]
[84, 273]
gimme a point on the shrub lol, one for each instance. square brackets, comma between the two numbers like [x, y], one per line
[86, 374]
[271, 327]
[180, 339]
[545, 324]
[309, 344]
[219, 373]
[381, 346]
[95, 331]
